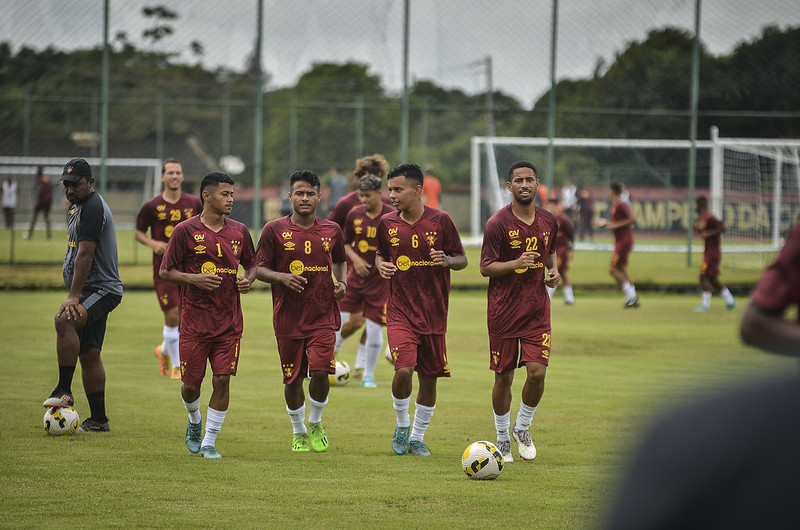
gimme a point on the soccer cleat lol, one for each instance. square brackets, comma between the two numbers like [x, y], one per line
[59, 398]
[505, 450]
[418, 448]
[163, 362]
[91, 425]
[193, 437]
[730, 306]
[368, 382]
[209, 451]
[702, 309]
[176, 372]
[569, 302]
[632, 303]
[400, 440]
[300, 442]
[319, 442]
[527, 451]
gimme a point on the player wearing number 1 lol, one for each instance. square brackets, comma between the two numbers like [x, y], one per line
[417, 247]
[518, 245]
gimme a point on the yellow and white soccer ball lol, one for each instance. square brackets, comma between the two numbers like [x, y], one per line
[342, 375]
[482, 461]
[61, 420]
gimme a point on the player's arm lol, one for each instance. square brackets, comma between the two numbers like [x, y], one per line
[293, 282]
[204, 281]
[441, 259]
[158, 247]
[340, 276]
[553, 276]
[622, 223]
[385, 267]
[501, 268]
[243, 283]
[83, 264]
[360, 265]
[769, 331]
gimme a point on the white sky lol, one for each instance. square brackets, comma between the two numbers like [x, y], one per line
[449, 38]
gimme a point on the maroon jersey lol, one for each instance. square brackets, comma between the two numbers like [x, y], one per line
[362, 233]
[161, 217]
[565, 233]
[419, 292]
[779, 287]
[621, 210]
[713, 249]
[194, 248]
[311, 253]
[346, 204]
[518, 304]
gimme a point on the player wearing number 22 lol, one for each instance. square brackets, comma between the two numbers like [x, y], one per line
[518, 246]
[297, 255]
[417, 247]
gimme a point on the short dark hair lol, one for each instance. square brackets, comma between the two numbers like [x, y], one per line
[214, 179]
[369, 183]
[702, 202]
[522, 163]
[169, 161]
[409, 171]
[616, 187]
[304, 175]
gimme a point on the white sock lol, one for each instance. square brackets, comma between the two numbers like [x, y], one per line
[401, 410]
[726, 294]
[706, 298]
[193, 409]
[171, 345]
[298, 418]
[214, 419]
[550, 291]
[373, 347]
[630, 290]
[524, 417]
[339, 339]
[501, 424]
[315, 410]
[568, 296]
[422, 418]
[361, 356]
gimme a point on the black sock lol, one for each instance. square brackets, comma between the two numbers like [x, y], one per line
[97, 404]
[65, 374]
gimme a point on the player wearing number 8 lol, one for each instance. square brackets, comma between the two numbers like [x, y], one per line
[518, 244]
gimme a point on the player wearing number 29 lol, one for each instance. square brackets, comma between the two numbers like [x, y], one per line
[518, 245]
[297, 254]
[203, 257]
[417, 247]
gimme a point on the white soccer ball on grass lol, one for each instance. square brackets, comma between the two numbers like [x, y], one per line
[482, 461]
[61, 420]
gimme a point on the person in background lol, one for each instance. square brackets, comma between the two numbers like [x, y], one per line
[563, 244]
[337, 186]
[431, 189]
[711, 228]
[44, 201]
[8, 190]
[621, 224]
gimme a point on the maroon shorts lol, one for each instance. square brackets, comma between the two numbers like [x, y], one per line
[298, 356]
[169, 294]
[426, 353]
[563, 261]
[621, 253]
[507, 354]
[374, 310]
[710, 268]
[223, 355]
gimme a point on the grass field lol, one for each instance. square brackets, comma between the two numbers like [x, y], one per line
[611, 371]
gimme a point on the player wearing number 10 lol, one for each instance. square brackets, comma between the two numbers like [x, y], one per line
[417, 247]
[518, 244]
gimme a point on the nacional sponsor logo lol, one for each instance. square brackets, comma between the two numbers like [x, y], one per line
[168, 231]
[537, 265]
[298, 267]
[404, 263]
[199, 237]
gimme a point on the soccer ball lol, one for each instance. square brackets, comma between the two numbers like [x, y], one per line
[61, 420]
[482, 461]
[342, 375]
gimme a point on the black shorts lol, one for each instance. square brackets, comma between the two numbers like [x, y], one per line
[98, 305]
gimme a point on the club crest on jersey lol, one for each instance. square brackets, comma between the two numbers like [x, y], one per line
[235, 247]
[288, 369]
[430, 237]
[546, 238]
[326, 243]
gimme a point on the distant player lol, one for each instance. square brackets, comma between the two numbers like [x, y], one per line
[297, 255]
[159, 216]
[711, 229]
[622, 221]
[203, 256]
[366, 290]
[563, 243]
[518, 245]
[417, 247]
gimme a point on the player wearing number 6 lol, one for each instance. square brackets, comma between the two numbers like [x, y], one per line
[518, 245]
[417, 247]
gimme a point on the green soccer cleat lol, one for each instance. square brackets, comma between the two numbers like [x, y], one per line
[418, 448]
[300, 442]
[400, 440]
[702, 309]
[319, 442]
[209, 451]
[368, 382]
[193, 437]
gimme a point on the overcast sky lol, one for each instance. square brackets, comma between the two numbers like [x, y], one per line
[450, 39]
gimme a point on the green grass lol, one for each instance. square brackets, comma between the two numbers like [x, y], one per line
[611, 371]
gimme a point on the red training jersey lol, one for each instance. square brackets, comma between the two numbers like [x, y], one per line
[311, 253]
[348, 203]
[419, 292]
[713, 246]
[621, 210]
[518, 304]
[563, 240]
[194, 248]
[161, 217]
[361, 232]
[779, 287]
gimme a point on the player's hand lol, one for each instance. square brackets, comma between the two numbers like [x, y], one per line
[527, 259]
[387, 270]
[552, 278]
[601, 222]
[361, 267]
[294, 282]
[339, 290]
[71, 308]
[207, 282]
[440, 259]
[243, 284]
[159, 248]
